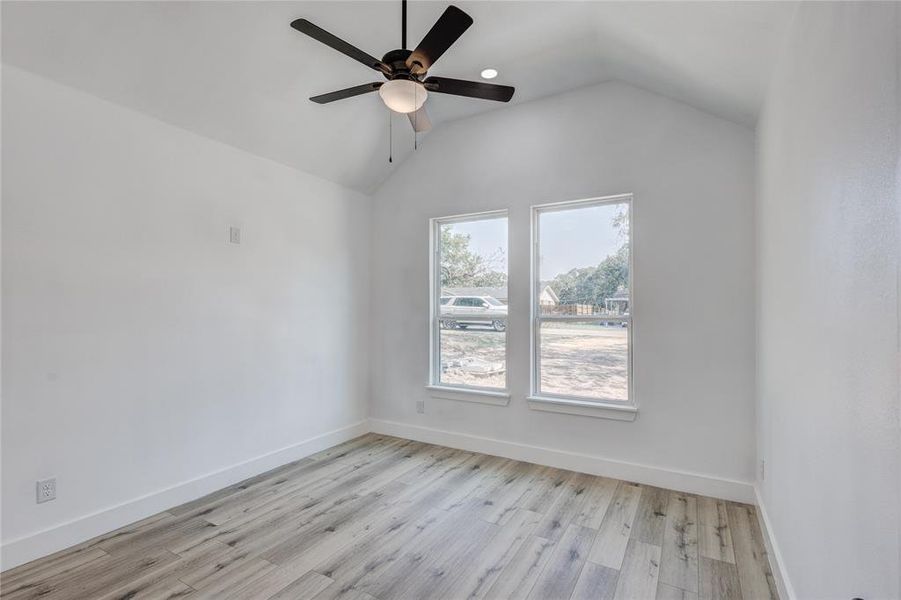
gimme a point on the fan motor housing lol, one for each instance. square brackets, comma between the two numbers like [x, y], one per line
[397, 60]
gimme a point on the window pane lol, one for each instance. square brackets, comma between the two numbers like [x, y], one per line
[583, 270]
[584, 359]
[584, 260]
[473, 355]
[472, 261]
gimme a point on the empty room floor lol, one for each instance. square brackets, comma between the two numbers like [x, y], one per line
[383, 517]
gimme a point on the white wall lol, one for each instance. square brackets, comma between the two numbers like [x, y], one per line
[140, 349]
[693, 179]
[828, 303]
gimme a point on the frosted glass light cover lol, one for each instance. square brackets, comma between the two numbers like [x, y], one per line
[402, 95]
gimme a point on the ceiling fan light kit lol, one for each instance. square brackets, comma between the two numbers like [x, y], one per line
[403, 95]
[407, 86]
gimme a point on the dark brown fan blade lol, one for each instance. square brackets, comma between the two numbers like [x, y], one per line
[471, 89]
[333, 41]
[420, 120]
[347, 93]
[446, 30]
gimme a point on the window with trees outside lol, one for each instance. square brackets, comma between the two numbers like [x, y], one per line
[581, 301]
[469, 301]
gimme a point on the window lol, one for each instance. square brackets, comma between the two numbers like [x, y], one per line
[581, 302]
[469, 302]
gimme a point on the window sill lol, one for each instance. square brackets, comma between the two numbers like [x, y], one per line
[584, 408]
[469, 395]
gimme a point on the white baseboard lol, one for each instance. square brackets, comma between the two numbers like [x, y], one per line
[683, 481]
[24, 549]
[786, 591]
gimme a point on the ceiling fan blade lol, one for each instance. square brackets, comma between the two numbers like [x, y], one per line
[446, 30]
[471, 89]
[420, 120]
[347, 93]
[333, 41]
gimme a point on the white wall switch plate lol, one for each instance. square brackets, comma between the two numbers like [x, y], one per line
[46, 490]
[234, 235]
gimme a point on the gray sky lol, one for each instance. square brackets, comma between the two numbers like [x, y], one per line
[569, 238]
[577, 238]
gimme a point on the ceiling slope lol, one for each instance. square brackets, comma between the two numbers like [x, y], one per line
[236, 72]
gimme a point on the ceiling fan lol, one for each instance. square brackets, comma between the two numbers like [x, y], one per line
[407, 85]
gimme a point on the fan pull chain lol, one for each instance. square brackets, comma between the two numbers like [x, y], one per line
[390, 144]
[415, 119]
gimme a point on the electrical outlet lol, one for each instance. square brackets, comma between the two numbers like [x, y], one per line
[234, 235]
[46, 490]
[420, 406]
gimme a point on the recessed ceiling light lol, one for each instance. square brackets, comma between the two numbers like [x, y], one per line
[489, 73]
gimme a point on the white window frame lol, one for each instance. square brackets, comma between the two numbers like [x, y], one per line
[578, 405]
[469, 393]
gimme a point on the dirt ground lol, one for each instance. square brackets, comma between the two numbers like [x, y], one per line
[576, 359]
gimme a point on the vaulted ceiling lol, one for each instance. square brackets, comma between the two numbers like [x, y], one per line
[236, 72]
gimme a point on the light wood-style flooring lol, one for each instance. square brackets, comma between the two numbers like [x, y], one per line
[384, 518]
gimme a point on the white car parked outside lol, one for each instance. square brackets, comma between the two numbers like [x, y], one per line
[460, 312]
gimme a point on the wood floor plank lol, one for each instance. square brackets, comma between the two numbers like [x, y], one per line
[641, 567]
[99, 576]
[596, 583]
[476, 487]
[518, 577]
[308, 586]
[262, 586]
[144, 525]
[368, 453]
[714, 535]
[668, 592]
[307, 478]
[754, 571]
[166, 579]
[436, 461]
[385, 568]
[285, 527]
[361, 443]
[650, 521]
[336, 592]
[248, 487]
[679, 554]
[375, 555]
[565, 508]
[598, 499]
[323, 526]
[202, 575]
[232, 491]
[383, 518]
[357, 527]
[503, 501]
[422, 569]
[22, 578]
[484, 567]
[164, 589]
[547, 486]
[559, 577]
[162, 534]
[719, 581]
[609, 547]
[230, 582]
